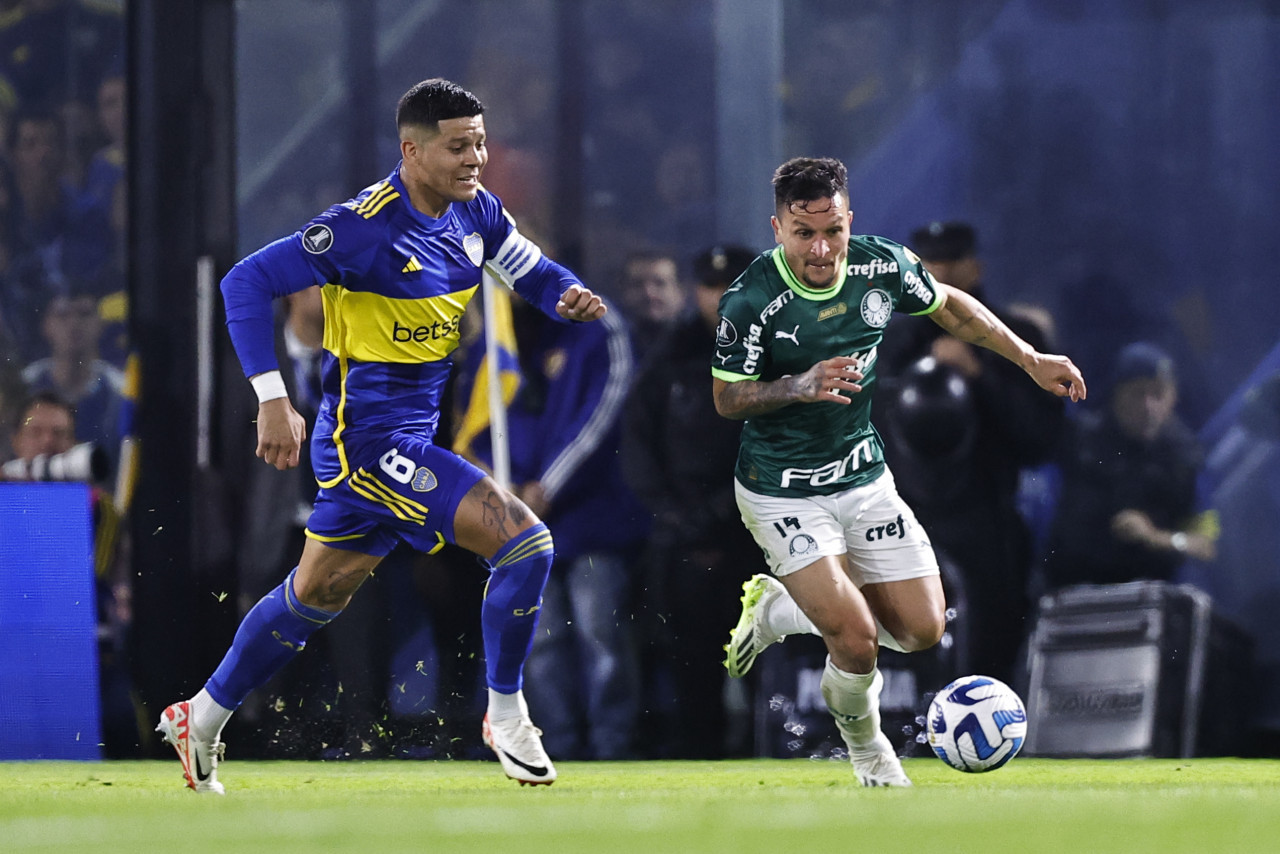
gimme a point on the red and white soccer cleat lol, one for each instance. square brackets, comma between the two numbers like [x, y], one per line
[518, 744]
[199, 758]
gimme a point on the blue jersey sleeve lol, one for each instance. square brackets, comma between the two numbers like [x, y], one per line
[520, 264]
[331, 247]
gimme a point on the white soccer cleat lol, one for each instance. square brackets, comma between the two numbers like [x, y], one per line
[518, 744]
[199, 758]
[752, 635]
[878, 764]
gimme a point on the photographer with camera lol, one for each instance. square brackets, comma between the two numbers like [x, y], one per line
[45, 449]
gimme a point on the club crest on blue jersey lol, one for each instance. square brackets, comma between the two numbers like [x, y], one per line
[473, 245]
[317, 238]
[876, 307]
[424, 480]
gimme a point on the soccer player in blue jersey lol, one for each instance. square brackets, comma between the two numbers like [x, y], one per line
[397, 266]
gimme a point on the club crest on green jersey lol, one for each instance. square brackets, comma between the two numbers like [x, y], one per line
[876, 307]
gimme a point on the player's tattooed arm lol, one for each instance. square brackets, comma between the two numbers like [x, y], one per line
[969, 320]
[823, 383]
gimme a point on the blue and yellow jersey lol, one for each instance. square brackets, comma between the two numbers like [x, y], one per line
[395, 284]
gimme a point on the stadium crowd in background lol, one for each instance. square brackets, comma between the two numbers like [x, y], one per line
[960, 426]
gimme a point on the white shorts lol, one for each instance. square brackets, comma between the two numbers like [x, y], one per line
[869, 523]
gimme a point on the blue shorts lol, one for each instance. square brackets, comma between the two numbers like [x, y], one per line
[401, 487]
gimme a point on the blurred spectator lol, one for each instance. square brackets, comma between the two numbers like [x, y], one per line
[45, 429]
[74, 371]
[69, 239]
[653, 296]
[1127, 508]
[105, 168]
[582, 678]
[678, 455]
[52, 51]
[961, 424]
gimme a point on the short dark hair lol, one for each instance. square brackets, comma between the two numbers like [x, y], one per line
[720, 265]
[432, 101]
[805, 179]
[945, 241]
[40, 398]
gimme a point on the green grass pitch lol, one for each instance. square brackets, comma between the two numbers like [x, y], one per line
[779, 806]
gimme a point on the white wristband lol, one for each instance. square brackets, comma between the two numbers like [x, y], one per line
[269, 386]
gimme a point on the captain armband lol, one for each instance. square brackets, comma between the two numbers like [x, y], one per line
[516, 256]
[268, 386]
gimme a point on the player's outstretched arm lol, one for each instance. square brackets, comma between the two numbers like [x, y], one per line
[823, 383]
[579, 303]
[969, 320]
[281, 431]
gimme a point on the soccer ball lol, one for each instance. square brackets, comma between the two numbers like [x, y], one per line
[976, 724]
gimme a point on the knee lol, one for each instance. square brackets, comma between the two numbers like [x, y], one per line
[852, 649]
[923, 635]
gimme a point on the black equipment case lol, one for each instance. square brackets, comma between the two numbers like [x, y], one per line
[1139, 669]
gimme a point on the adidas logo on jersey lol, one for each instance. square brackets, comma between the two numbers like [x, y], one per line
[413, 266]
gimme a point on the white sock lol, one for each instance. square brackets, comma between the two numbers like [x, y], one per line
[505, 706]
[207, 717]
[854, 701]
[784, 617]
[887, 640]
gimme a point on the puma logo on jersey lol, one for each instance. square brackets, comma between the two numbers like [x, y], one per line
[792, 335]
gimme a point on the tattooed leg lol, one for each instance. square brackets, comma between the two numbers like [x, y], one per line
[489, 517]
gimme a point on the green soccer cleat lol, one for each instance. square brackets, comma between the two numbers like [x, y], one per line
[752, 635]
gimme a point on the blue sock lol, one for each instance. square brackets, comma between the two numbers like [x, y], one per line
[512, 598]
[270, 635]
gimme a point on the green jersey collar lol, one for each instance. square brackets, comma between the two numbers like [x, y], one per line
[780, 261]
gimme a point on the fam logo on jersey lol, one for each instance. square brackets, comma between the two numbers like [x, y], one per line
[802, 544]
[876, 307]
[424, 480]
[726, 333]
[473, 245]
[317, 238]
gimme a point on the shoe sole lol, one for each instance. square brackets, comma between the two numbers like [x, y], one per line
[740, 659]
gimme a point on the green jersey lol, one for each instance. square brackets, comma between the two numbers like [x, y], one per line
[772, 326]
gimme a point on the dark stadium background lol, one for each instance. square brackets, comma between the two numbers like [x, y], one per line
[1117, 156]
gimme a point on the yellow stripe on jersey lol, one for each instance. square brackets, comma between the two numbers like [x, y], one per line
[323, 539]
[339, 417]
[371, 327]
[371, 481]
[371, 488]
[376, 200]
[540, 543]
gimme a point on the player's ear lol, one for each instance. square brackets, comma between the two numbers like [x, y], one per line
[408, 147]
[777, 229]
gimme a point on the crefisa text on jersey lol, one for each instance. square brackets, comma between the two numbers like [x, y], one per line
[873, 268]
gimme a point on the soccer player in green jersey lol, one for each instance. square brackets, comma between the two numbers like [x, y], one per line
[796, 359]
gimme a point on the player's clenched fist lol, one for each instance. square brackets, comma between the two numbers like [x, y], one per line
[578, 303]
